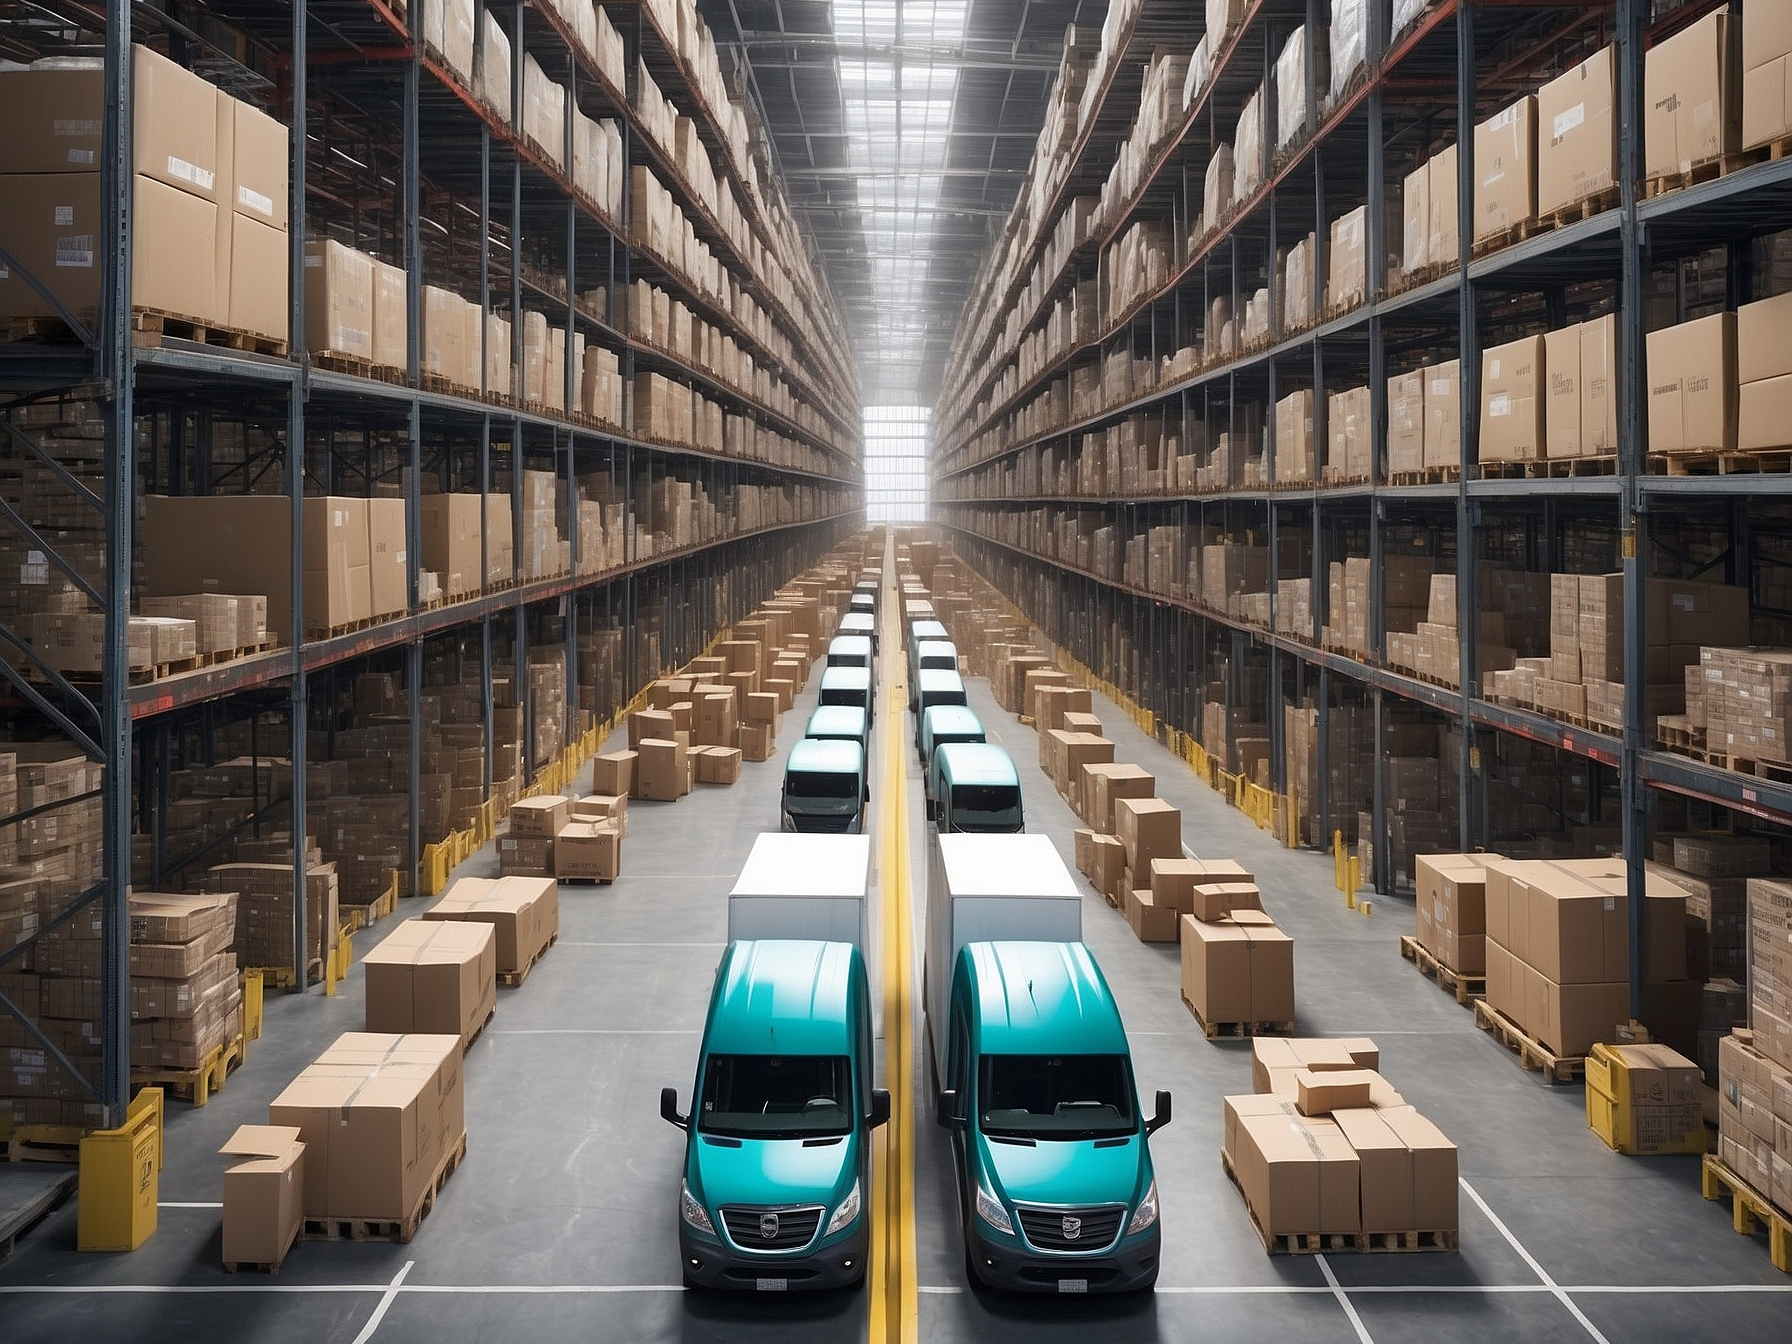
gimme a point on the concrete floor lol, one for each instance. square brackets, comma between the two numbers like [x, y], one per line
[561, 1221]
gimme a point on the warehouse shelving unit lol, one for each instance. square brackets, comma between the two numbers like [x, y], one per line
[1451, 65]
[389, 149]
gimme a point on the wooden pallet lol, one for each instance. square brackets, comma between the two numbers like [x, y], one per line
[280, 977]
[42, 1143]
[1776, 149]
[1748, 1207]
[1777, 771]
[150, 326]
[1236, 1030]
[400, 1230]
[1706, 170]
[196, 1085]
[473, 1039]
[1464, 987]
[1676, 732]
[512, 979]
[1321, 1243]
[1585, 208]
[1507, 237]
[1435, 270]
[360, 368]
[1531, 1052]
[1427, 476]
[1711, 462]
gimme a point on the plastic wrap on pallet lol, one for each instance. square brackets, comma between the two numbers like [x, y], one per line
[1405, 11]
[1247, 159]
[544, 111]
[491, 76]
[1292, 112]
[1200, 70]
[1349, 34]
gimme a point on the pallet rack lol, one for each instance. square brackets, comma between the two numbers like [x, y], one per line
[1452, 64]
[390, 149]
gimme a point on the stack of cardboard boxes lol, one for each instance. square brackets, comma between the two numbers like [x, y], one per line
[1558, 964]
[1237, 966]
[1451, 903]
[439, 977]
[1755, 1064]
[186, 1000]
[524, 913]
[1325, 1145]
[263, 902]
[209, 200]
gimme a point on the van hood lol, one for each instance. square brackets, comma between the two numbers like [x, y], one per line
[772, 1171]
[1066, 1172]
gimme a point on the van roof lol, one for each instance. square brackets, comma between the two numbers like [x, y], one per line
[834, 720]
[827, 755]
[936, 648]
[1042, 998]
[778, 996]
[857, 622]
[785, 864]
[939, 679]
[850, 644]
[846, 676]
[977, 763]
[927, 629]
[950, 719]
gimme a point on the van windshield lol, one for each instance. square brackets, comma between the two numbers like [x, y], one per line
[821, 784]
[986, 807]
[776, 1096]
[1054, 1097]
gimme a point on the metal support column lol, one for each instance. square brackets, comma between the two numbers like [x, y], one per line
[1469, 353]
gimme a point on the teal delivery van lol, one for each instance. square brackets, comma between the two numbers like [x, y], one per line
[946, 723]
[825, 788]
[838, 723]
[777, 1162]
[974, 787]
[1051, 1154]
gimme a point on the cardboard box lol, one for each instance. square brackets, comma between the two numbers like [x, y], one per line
[1271, 1055]
[1764, 372]
[452, 541]
[338, 300]
[1406, 422]
[662, 770]
[1766, 74]
[718, 765]
[1325, 1091]
[588, 851]
[1512, 401]
[263, 1195]
[1409, 1170]
[1446, 241]
[1150, 922]
[613, 773]
[1692, 96]
[1149, 828]
[1506, 169]
[1237, 972]
[1692, 385]
[1451, 904]
[378, 1116]
[390, 317]
[433, 976]
[1577, 133]
[1443, 414]
[524, 912]
[257, 299]
[52, 226]
[1415, 209]
[389, 575]
[1298, 1174]
[543, 815]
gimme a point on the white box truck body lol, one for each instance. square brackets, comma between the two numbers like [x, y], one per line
[984, 889]
[805, 887]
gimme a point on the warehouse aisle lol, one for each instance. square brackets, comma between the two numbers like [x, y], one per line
[1634, 1232]
[561, 1223]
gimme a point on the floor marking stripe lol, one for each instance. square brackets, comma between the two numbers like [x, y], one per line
[566, 943]
[197, 1204]
[1356, 1321]
[385, 1304]
[595, 1031]
[1531, 1260]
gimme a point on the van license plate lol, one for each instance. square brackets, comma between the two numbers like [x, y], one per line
[772, 1285]
[1073, 1285]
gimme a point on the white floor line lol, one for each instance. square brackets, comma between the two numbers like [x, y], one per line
[1356, 1322]
[1531, 1260]
[195, 1204]
[385, 1304]
[568, 943]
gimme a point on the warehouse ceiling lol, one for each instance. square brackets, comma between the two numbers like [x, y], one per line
[903, 130]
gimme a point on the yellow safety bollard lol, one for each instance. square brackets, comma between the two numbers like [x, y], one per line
[120, 1179]
[252, 1003]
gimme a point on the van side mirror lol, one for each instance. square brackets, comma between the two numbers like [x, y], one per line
[880, 1109]
[946, 1109]
[669, 1109]
[1162, 1117]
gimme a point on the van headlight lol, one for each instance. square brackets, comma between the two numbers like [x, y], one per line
[1146, 1213]
[691, 1208]
[848, 1210]
[990, 1210]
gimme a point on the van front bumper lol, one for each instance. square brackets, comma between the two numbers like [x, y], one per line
[836, 1264]
[1131, 1265]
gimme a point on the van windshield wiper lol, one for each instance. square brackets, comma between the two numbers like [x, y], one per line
[1018, 1140]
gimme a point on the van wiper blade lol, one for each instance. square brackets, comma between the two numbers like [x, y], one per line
[721, 1141]
[824, 1143]
[1017, 1140]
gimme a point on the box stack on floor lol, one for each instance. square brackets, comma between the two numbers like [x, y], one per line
[1237, 966]
[435, 976]
[186, 1000]
[1558, 964]
[1328, 1156]
[1755, 1063]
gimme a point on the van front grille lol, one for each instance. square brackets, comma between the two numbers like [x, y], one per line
[1088, 1229]
[789, 1229]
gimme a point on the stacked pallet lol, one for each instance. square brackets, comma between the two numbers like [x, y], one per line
[186, 1000]
[1329, 1157]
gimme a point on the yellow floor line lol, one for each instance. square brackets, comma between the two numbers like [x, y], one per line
[895, 1299]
